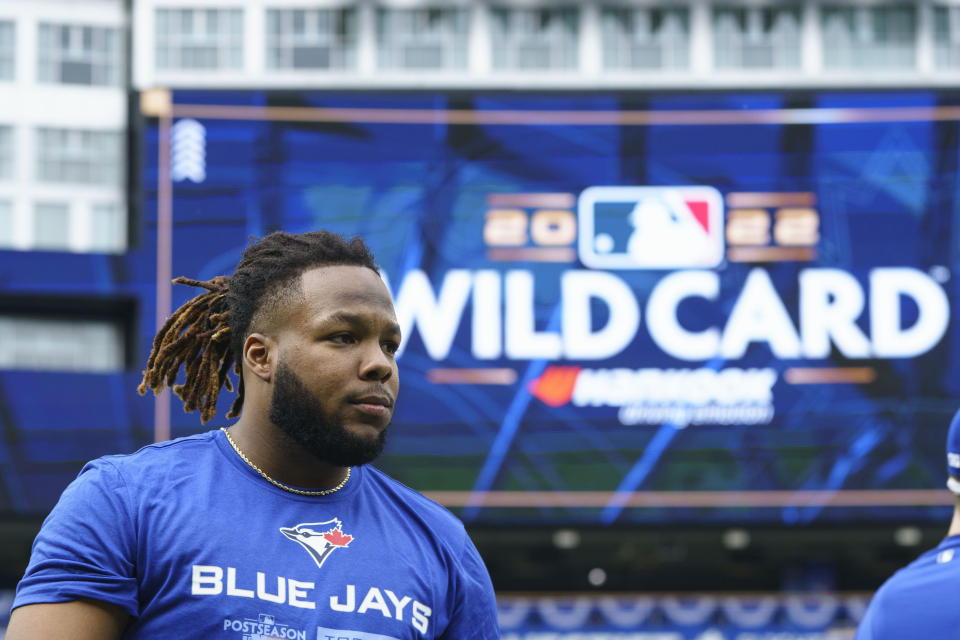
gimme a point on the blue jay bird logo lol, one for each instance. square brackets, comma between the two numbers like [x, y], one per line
[320, 539]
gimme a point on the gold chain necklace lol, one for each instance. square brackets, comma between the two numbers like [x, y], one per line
[276, 483]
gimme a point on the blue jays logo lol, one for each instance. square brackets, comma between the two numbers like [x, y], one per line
[320, 539]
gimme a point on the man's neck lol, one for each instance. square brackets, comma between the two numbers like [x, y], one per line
[281, 458]
[955, 523]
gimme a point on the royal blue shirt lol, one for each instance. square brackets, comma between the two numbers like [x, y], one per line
[918, 601]
[193, 543]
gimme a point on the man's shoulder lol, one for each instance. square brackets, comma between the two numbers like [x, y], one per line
[412, 500]
[942, 559]
[158, 454]
[917, 600]
[926, 574]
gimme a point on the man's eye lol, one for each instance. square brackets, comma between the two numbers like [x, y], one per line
[343, 338]
[391, 347]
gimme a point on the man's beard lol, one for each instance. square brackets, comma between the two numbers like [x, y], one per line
[295, 411]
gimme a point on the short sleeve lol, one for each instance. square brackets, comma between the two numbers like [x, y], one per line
[86, 547]
[475, 611]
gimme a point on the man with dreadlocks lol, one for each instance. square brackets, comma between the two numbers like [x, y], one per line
[273, 528]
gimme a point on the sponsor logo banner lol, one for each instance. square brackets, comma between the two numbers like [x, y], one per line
[654, 396]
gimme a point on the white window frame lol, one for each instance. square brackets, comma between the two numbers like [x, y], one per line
[223, 42]
[946, 49]
[100, 152]
[7, 153]
[737, 43]
[320, 30]
[37, 342]
[624, 45]
[42, 243]
[116, 239]
[104, 53]
[405, 33]
[8, 50]
[520, 30]
[82, 205]
[7, 225]
[862, 48]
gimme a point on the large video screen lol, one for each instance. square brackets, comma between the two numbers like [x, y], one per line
[618, 307]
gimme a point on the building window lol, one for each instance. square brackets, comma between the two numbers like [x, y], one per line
[6, 224]
[199, 39]
[645, 38]
[869, 37]
[61, 344]
[946, 37]
[107, 228]
[8, 47]
[311, 38]
[6, 152]
[543, 39]
[756, 37]
[75, 54]
[423, 38]
[60, 225]
[79, 156]
[51, 226]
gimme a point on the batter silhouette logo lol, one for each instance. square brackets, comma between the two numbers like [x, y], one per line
[650, 227]
[319, 539]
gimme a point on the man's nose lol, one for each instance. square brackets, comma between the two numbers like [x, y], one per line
[376, 363]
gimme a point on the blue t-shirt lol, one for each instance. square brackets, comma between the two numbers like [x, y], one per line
[918, 601]
[193, 543]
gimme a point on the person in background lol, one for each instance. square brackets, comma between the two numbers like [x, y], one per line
[918, 601]
[274, 527]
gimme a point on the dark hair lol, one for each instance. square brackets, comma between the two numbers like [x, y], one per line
[206, 334]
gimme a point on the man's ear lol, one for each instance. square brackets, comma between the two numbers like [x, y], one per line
[259, 355]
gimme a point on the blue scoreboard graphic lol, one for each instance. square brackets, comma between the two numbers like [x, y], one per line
[616, 307]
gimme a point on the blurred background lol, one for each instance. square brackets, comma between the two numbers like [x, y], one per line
[675, 278]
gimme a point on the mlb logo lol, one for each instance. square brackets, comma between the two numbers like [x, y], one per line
[650, 227]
